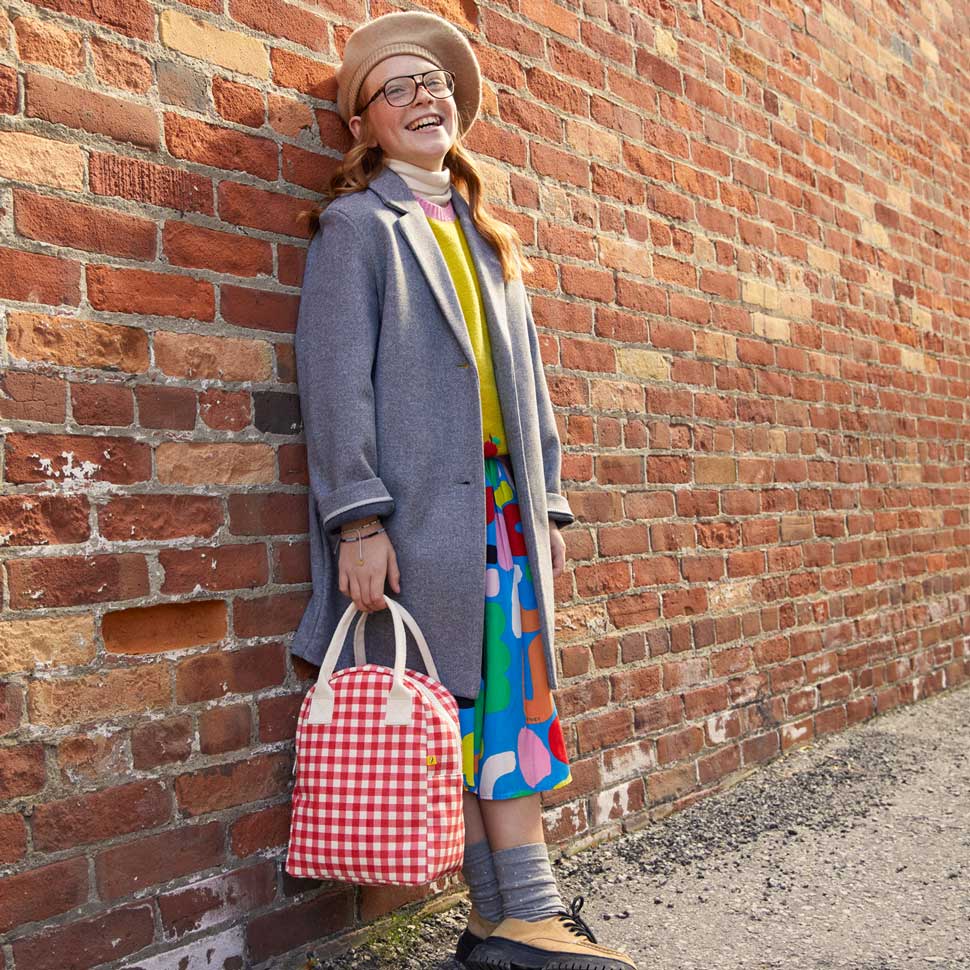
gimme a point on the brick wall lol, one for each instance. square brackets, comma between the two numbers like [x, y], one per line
[750, 223]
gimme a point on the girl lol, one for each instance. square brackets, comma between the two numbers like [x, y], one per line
[434, 461]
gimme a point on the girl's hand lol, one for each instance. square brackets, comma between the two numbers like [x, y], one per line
[364, 584]
[557, 548]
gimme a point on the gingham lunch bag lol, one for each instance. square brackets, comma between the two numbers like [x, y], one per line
[378, 792]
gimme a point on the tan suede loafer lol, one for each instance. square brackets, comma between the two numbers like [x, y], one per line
[561, 942]
[476, 931]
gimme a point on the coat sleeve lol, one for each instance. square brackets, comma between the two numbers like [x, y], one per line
[335, 346]
[559, 510]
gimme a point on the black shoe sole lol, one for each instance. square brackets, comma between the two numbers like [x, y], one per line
[466, 943]
[499, 954]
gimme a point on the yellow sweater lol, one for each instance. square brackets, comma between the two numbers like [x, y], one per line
[454, 248]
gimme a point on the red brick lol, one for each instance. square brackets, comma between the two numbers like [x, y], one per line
[40, 893]
[291, 562]
[8, 91]
[74, 580]
[167, 626]
[237, 566]
[161, 742]
[132, 178]
[187, 849]
[224, 729]
[309, 76]
[140, 291]
[272, 615]
[22, 770]
[282, 20]
[11, 707]
[268, 828]
[224, 786]
[35, 278]
[84, 759]
[259, 309]
[225, 410]
[42, 458]
[197, 141]
[108, 405]
[45, 42]
[139, 517]
[82, 226]
[228, 895]
[35, 520]
[160, 406]
[268, 513]
[213, 675]
[26, 396]
[136, 18]
[277, 717]
[76, 107]
[98, 816]
[309, 169]
[90, 942]
[602, 730]
[13, 837]
[245, 205]
[239, 102]
[222, 252]
[282, 930]
[121, 68]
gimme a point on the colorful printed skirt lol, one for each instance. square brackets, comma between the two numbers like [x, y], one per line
[512, 742]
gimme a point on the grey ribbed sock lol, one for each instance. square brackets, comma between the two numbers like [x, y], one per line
[479, 873]
[526, 882]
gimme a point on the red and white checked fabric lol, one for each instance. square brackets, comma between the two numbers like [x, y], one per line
[377, 803]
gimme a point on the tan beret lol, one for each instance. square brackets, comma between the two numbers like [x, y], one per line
[410, 32]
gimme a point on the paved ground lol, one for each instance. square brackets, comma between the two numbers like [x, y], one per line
[853, 853]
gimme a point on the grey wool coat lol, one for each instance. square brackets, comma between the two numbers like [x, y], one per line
[390, 403]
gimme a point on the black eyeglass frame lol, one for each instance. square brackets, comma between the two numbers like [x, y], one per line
[417, 84]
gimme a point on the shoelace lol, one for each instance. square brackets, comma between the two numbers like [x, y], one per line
[574, 922]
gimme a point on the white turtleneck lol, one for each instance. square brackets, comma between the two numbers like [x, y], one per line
[433, 186]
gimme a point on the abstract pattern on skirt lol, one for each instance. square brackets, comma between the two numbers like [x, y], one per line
[512, 742]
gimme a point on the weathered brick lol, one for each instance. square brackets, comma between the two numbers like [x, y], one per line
[96, 757]
[136, 18]
[291, 926]
[266, 829]
[98, 816]
[224, 729]
[36, 278]
[141, 291]
[74, 458]
[76, 107]
[13, 837]
[236, 566]
[220, 147]
[135, 865]
[259, 309]
[269, 513]
[73, 580]
[282, 20]
[246, 205]
[212, 675]
[129, 518]
[223, 786]
[90, 942]
[85, 227]
[108, 405]
[22, 770]
[132, 178]
[161, 742]
[167, 626]
[239, 102]
[215, 463]
[304, 74]
[74, 700]
[44, 42]
[26, 396]
[72, 342]
[217, 358]
[55, 641]
[226, 896]
[160, 406]
[273, 615]
[222, 252]
[37, 894]
[120, 67]
[235, 51]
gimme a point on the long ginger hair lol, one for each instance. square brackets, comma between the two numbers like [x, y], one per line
[361, 164]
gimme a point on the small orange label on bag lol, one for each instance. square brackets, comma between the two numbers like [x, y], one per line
[432, 760]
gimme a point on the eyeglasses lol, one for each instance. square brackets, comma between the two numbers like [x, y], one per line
[401, 91]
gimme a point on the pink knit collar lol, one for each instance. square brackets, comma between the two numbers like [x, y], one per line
[442, 213]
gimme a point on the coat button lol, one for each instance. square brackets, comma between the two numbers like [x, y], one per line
[464, 363]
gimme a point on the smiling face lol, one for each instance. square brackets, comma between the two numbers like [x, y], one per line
[388, 126]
